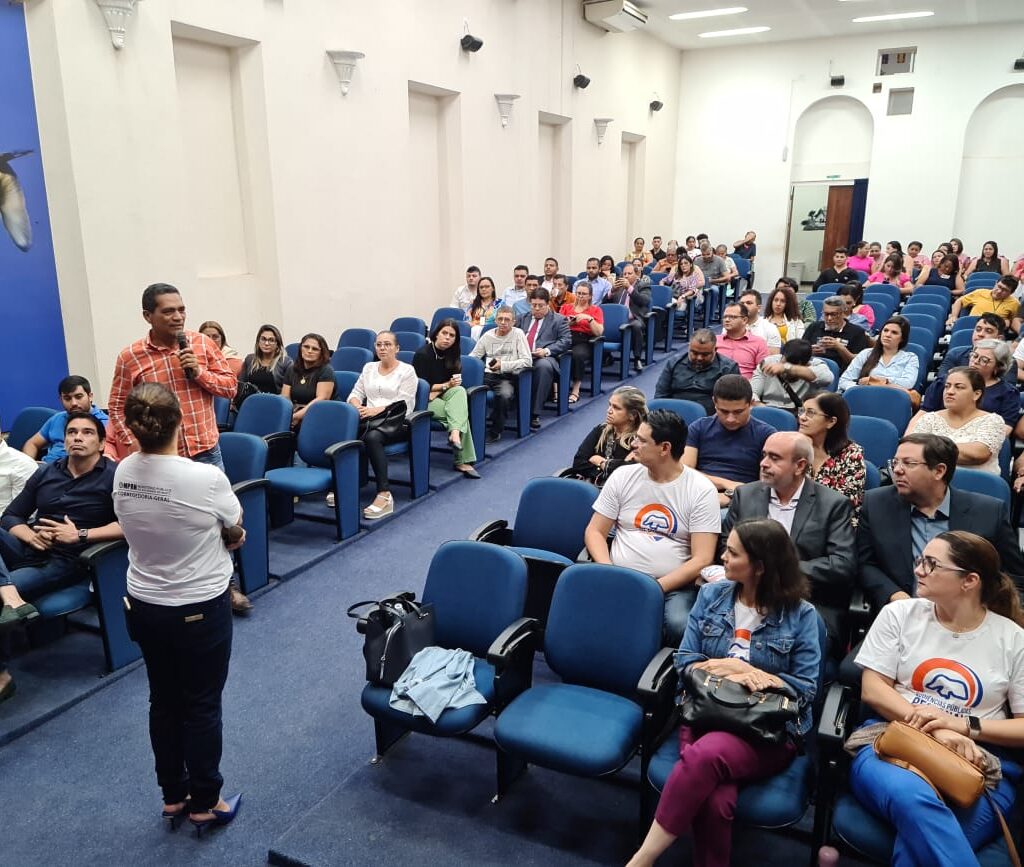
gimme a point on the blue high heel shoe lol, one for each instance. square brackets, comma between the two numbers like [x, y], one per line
[175, 819]
[220, 817]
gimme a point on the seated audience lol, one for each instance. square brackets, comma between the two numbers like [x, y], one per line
[988, 262]
[504, 352]
[898, 520]
[693, 376]
[16, 468]
[714, 269]
[628, 292]
[687, 282]
[888, 363]
[747, 249]
[967, 618]
[610, 444]
[379, 393]
[946, 273]
[747, 350]
[638, 252]
[876, 256]
[726, 446]
[608, 269]
[517, 291]
[464, 294]
[894, 250]
[692, 250]
[999, 300]
[979, 435]
[838, 273]
[990, 358]
[766, 593]
[782, 309]
[547, 337]
[309, 379]
[665, 515]
[722, 252]
[807, 312]
[667, 263]
[483, 311]
[215, 332]
[816, 518]
[657, 253]
[439, 364]
[785, 380]
[643, 280]
[857, 312]
[914, 249]
[988, 327]
[955, 247]
[75, 396]
[522, 307]
[892, 273]
[838, 461]
[586, 321]
[835, 338]
[70, 506]
[750, 301]
[599, 286]
[858, 259]
[559, 292]
[267, 367]
[550, 272]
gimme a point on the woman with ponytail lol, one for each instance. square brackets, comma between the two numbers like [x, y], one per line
[949, 662]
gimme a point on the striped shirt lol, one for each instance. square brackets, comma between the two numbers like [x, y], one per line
[144, 361]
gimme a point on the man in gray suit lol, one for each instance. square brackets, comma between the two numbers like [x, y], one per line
[818, 520]
[547, 335]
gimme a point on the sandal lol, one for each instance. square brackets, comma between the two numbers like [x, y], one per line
[373, 511]
[574, 398]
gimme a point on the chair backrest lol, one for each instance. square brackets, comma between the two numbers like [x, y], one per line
[887, 289]
[553, 514]
[292, 350]
[821, 294]
[861, 275]
[742, 265]
[964, 323]
[923, 334]
[221, 410]
[688, 410]
[872, 478]
[836, 373]
[778, 418]
[466, 344]
[405, 355]
[817, 304]
[410, 340]
[409, 323]
[882, 312]
[939, 311]
[886, 403]
[422, 395]
[456, 313]
[477, 590]
[326, 422]
[245, 456]
[472, 371]
[981, 482]
[344, 382]
[660, 295]
[364, 337]
[263, 414]
[831, 288]
[924, 357]
[959, 337]
[876, 436]
[351, 358]
[27, 424]
[932, 291]
[615, 316]
[604, 626]
[982, 280]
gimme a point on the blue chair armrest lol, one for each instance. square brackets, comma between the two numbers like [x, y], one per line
[107, 562]
[564, 380]
[345, 458]
[477, 399]
[253, 558]
[524, 392]
[658, 681]
[626, 338]
[419, 452]
[496, 532]
[280, 449]
[650, 326]
[596, 364]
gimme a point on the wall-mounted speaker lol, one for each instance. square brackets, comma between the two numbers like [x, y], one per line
[837, 80]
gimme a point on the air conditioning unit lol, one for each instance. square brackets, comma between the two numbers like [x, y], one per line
[615, 16]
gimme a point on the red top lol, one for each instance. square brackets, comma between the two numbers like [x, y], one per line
[582, 327]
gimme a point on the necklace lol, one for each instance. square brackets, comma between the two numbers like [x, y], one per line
[959, 630]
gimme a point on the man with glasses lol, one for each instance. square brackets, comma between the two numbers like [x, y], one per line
[988, 327]
[998, 300]
[835, 338]
[897, 521]
[693, 376]
[504, 352]
[727, 446]
[547, 337]
[747, 350]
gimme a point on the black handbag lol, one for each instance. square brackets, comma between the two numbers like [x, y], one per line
[713, 703]
[396, 629]
[391, 422]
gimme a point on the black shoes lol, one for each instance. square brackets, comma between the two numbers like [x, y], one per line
[535, 422]
[493, 437]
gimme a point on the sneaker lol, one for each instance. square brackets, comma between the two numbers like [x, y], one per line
[373, 512]
[330, 500]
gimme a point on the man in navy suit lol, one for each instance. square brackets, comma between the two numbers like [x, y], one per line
[547, 335]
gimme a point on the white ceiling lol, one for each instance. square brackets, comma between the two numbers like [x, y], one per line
[814, 19]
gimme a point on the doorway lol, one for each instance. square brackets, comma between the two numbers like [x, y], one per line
[819, 221]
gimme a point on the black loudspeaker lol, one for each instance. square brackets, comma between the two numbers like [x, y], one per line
[1018, 64]
[837, 80]
[657, 105]
[581, 81]
[471, 43]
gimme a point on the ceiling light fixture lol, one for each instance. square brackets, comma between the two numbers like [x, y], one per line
[707, 13]
[742, 31]
[896, 16]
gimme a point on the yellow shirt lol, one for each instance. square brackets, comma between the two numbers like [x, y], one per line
[981, 301]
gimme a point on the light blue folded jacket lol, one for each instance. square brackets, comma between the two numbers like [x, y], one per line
[436, 679]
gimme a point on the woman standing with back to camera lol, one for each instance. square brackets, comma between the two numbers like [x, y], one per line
[178, 517]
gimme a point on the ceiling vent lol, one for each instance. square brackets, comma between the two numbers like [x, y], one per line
[615, 16]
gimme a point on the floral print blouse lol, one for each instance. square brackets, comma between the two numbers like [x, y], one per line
[846, 474]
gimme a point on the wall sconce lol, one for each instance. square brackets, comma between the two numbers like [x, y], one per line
[602, 127]
[344, 65]
[580, 80]
[117, 13]
[505, 101]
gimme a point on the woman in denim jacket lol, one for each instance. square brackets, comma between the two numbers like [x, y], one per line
[756, 629]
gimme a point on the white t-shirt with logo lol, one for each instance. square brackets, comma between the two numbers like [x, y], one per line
[747, 620]
[974, 673]
[653, 521]
[172, 511]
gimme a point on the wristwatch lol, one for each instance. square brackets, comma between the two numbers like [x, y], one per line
[973, 727]
[787, 367]
[83, 535]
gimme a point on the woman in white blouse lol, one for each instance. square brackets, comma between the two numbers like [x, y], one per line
[783, 311]
[380, 385]
[887, 363]
[979, 435]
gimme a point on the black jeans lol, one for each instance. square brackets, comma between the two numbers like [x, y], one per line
[187, 649]
[504, 393]
[582, 352]
[374, 442]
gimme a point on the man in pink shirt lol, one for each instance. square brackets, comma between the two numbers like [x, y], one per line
[747, 350]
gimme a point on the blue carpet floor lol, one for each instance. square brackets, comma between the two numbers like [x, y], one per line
[79, 789]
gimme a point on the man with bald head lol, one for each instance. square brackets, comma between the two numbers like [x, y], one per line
[818, 519]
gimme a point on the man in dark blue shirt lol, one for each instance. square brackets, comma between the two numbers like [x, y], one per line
[693, 376]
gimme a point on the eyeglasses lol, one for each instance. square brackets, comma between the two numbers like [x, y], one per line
[811, 413]
[982, 359]
[268, 340]
[898, 463]
[927, 565]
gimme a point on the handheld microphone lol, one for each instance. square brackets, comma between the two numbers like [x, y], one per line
[183, 344]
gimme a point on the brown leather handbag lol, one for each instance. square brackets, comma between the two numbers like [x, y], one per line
[946, 771]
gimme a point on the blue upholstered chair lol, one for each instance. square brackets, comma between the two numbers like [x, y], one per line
[933, 292]
[328, 446]
[366, 338]
[603, 640]
[410, 323]
[477, 593]
[688, 410]
[981, 482]
[344, 382]
[877, 436]
[416, 447]
[981, 280]
[269, 416]
[523, 382]
[964, 323]
[872, 477]
[924, 360]
[661, 297]
[245, 461]
[617, 336]
[292, 351]
[221, 413]
[350, 358]
[887, 289]
[836, 373]
[455, 313]
[887, 403]
[27, 424]
[777, 417]
[548, 547]
[410, 340]
[476, 397]
[959, 337]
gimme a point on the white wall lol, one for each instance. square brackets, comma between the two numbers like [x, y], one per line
[736, 178]
[320, 188]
